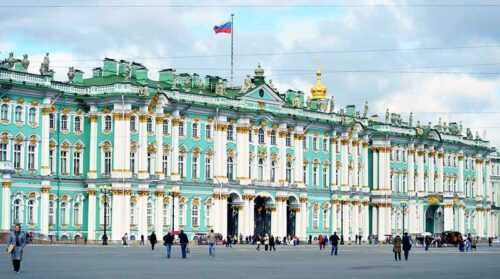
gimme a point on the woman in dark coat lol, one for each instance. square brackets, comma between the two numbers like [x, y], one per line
[17, 239]
[153, 240]
[397, 248]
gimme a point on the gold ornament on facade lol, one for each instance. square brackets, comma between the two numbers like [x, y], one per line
[93, 117]
[20, 101]
[303, 199]
[318, 91]
[159, 120]
[196, 201]
[152, 148]
[143, 193]
[90, 191]
[242, 129]
[433, 200]
[159, 193]
[19, 139]
[6, 184]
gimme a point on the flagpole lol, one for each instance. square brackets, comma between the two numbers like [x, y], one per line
[232, 45]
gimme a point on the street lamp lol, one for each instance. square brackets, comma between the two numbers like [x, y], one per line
[105, 190]
[404, 205]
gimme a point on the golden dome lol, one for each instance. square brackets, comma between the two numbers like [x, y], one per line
[318, 91]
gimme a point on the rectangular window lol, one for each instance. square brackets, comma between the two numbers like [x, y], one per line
[64, 122]
[78, 123]
[305, 174]
[208, 166]
[195, 130]
[273, 137]
[195, 167]
[132, 162]
[165, 165]
[76, 163]
[51, 161]
[325, 177]
[194, 216]
[150, 162]
[230, 133]
[180, 167]
[250, 139]
[64, 162]
[17, 156]
[315, 175]
[208, 131]
[107, 162]
[51, 121]
[315, 143]
[31, 157]
[181, 129]
[149, 125]
[325, 144]
[3, 152]
[288, 139]
[165, 127]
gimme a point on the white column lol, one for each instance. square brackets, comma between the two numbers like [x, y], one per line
[299, 156]
[250, 215]
[366, 221]
[365, 165]
[220, 159]
[440, 171]
[142, 203]
[175, 224]
[92, 173]
[121, 142]
[159, 146]
[6, 184]
[274, 221]
[411, 171]
[91, 221]
[376, 158]
[345, 220]
[344, 166]
[479, 178]
[381, 222]
[142, 156]
[487, 182]
[242, 220]
[174, 158]
[303, 218]
[355, 220]
[242, 151]
[223, 215]
[159, 195]
[412, 217]
[432, 185]
[117, 230]
[44, 207]
[355, 158]
[448, 217]
[375, 221]
[420, 170]
[282, 132]
[45, 125]
[460, 176]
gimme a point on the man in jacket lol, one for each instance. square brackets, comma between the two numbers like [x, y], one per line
[183, 239]
[334, 240]
[153, 240]
[168, 240]
[211, 243]
[406, 245]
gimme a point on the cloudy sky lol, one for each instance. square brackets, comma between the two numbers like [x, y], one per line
[436, 58]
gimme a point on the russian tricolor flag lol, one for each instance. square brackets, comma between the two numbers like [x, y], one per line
[224, 28]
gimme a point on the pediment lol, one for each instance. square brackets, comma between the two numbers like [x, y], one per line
[263, 93]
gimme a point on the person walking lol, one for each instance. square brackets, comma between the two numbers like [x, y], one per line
[272, 243]
[211, 243]
[406, 245]
[168, 241]
[17, 242]
[153, 240]
[183, 239]
[334, 240]
[266, 242]
[142, 240]
[397, 248]
[320, 241]
[490, 241]
[124, 239]
[427, 242]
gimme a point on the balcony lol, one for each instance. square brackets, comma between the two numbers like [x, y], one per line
[6, 167]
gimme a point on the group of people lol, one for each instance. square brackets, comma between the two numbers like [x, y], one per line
[401, 244]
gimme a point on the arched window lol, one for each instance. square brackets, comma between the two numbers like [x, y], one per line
[325, 177]
[51, 213]
[107, 162]
[17, 211]
[64, 122]
[208, 168]
[260, 170]
[3, 151]
[31, 212]
[149, 213]
[195, 130]
[315, 218]
[107, 123]
[19, 114]
[76, 163]
[78, 124]
[194, 168]
[76, 214]
[194, 215]
[261, 136]
[288, 173]
[64, 211]
[133, 220]
[133, 121]
[17, 156]
[165, 127]
[208, 131]
[273, 171]
[230, 167]
[31, 156]
[32, 116]
[315, 175]
[5, 112]
[180, 166]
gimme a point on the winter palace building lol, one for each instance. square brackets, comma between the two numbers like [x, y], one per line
[193, 153]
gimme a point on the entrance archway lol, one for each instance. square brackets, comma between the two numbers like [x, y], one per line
[292, 206]
[434, 219]
[262, 215]
[234, 203]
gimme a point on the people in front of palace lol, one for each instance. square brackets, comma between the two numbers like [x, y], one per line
[272, 243]
[334, 240]
[168, 241]
[15, 247]
[468, 243]
[427, 242]
[183, 239]
[211, 243]
[142, 240]
[406, 245]
[320, 242]
[229, 241]
[153, 240]
[474, 243]
[124, 239]
[310, 240]
[490, 241]
[461, 244]
[266, 242]
[397, 248]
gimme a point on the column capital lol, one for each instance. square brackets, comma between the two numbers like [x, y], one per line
[6, 184]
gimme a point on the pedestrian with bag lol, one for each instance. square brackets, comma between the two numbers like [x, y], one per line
[168, 241]
[15, 247]
[397, 248]
[183, 239]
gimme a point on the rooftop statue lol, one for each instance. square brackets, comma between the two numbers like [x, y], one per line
[469, 134]
[45, 66]
[410, 121]
[219, 88]
[25, 62]
[332, 104]
[387, 117]
[71, 73]
[11, 61]
[247, 84]
[365, 110]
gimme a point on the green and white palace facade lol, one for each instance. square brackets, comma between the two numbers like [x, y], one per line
[194, 153]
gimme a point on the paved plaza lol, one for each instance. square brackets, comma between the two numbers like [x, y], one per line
[246, 262]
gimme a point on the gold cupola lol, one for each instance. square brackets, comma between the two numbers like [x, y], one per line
[318, 91]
